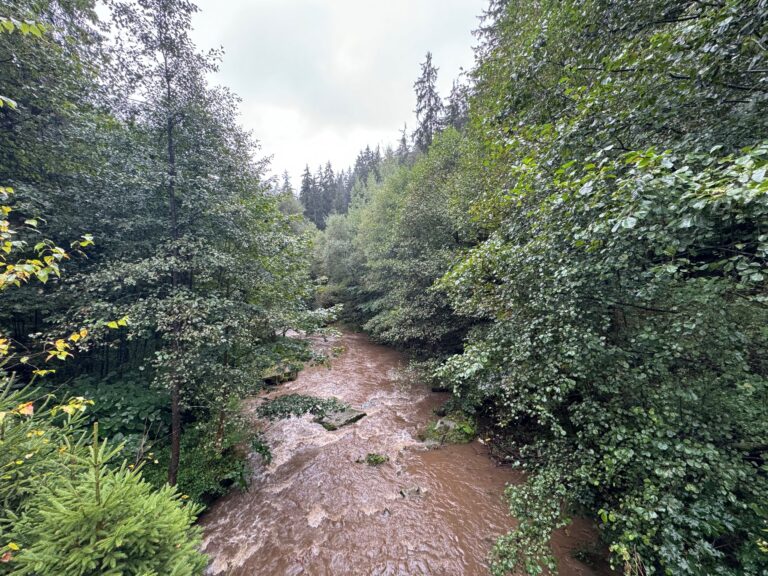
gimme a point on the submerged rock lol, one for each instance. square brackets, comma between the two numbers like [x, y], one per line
[412, 491]
[335, 420]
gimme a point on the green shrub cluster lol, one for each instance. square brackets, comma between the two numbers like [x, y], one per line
[374, 459]
[210, 464]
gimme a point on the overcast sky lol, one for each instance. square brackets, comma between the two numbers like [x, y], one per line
[320, 79]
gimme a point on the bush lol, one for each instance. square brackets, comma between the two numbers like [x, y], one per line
[126, 408]
[37, 443]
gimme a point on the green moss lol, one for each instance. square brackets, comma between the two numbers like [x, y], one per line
[374, 459]
[455, 428]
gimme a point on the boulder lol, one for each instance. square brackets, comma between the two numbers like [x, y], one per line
[279, 374]
[335, 420]
[445, 425]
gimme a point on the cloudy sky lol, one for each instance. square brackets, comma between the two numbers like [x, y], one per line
[320, 79]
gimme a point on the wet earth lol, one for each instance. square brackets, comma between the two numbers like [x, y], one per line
[315, 511]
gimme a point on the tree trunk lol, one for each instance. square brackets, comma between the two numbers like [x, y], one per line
[173, 465]
[220, 431]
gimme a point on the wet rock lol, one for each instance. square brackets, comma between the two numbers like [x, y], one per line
[445, 425]
[279, 374]
[413, 491]
[335, 420]
[430, 444]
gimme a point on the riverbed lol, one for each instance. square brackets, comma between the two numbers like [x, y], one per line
[315, 510]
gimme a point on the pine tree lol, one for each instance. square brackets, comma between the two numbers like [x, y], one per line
[285, 186]
[429, 106]
[307, 195]
[327, 191]
[403, 149]
[457, 108]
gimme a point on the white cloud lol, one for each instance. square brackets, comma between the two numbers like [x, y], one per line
[321, 79]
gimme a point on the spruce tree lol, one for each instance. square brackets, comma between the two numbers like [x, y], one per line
[306, 194]
[403, 148]
[429, 106]
[456, 111]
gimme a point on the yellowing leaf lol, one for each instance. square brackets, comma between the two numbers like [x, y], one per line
[26, 409]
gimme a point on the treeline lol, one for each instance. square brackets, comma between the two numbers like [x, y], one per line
[326, 192]
[148, 277]
[584, 263]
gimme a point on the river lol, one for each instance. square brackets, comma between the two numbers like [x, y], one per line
[315, 511]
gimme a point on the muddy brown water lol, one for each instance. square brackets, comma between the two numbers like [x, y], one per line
[315, 511]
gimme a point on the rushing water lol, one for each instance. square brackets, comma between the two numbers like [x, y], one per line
[315, 511]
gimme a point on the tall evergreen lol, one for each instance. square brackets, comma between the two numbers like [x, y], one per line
[456, 110]
[403, 149]
[429, 105]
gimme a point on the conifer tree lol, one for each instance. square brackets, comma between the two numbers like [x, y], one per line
[429, 105]
[456, 111]
[403, 148]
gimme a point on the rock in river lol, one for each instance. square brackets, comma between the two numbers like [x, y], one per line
[335, 420]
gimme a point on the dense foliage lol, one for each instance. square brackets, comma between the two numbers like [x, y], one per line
[149, 271]
[587, 259]
[104, 521]
[575, 243]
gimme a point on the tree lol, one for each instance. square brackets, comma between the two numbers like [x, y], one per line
[172, 74]
[403, 149]
[429, 105]
[307, 195]
[100, 520]
[456, 111]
